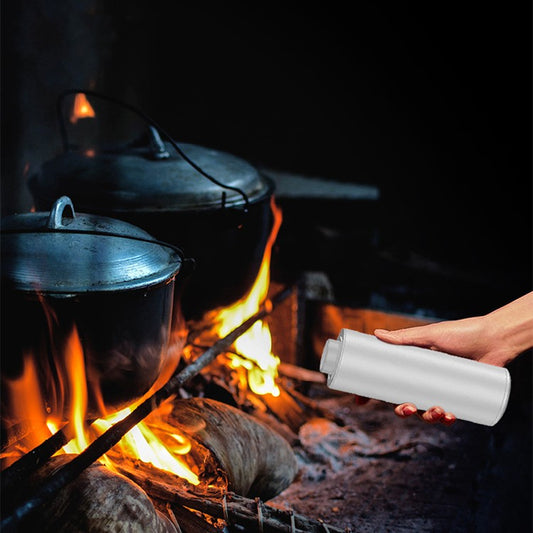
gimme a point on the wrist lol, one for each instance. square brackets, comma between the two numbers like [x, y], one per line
[511, 326]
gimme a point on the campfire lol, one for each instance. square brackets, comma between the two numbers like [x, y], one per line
[209, 439]
[254, 366]
[200, 460]
[188, 399]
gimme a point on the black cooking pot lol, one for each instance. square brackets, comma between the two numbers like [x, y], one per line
[110, 279]
[212, 204]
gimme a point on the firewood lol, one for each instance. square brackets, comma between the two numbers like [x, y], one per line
[98, 500]
[108, 439]
[286, 409]
[257, 461]
[237, 512]
[191, 521]
[301, 374]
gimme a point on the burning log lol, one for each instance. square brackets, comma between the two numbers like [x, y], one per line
[236, 512]
[286, 409]
[97, 500]
[290, 407]
[256, 460]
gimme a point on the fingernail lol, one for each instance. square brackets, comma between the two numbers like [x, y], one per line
[437, 414]
[408, 410]
[448, 419]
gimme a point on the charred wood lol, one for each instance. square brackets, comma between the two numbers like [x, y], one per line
[238, 512]
[97, 500]
[257, 461]
[286, 409]
[107, 440]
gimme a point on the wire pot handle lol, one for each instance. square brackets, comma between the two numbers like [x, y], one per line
[148, 120]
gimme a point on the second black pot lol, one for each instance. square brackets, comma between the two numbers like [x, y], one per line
[222, 222]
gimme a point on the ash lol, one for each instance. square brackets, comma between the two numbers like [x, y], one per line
[371, 471]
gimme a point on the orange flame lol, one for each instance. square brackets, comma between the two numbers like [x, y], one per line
[81, 108]
[30, 411]
[254, 347]
[77, 384]
[28, 405]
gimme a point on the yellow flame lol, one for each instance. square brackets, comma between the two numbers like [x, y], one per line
[77, 386]
[141, 443]
[254, 347]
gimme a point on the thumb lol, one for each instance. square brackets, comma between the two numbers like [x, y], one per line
[388, 336]
[402, 336]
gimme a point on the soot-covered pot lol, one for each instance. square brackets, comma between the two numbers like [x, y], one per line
[214, 205]
[109, 281]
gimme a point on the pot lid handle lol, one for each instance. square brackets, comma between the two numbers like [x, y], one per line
[55, 220]
[157, 146]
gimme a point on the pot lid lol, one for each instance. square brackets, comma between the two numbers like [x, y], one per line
[144, 178]
[79, 253]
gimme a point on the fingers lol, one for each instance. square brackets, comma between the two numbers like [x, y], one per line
[448, 419]
[433, 415]
[405, 409]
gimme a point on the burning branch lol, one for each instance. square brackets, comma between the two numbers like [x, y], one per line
[113, 435]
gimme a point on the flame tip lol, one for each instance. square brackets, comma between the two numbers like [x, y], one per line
[81, 108]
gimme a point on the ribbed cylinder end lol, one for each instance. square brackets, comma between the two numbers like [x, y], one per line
[330, 356]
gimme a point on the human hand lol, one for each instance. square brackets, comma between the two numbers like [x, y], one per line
[459, 337]
[495, 338]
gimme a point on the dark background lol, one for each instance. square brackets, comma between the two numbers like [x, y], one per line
[430, 103]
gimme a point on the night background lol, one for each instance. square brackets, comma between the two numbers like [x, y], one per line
[430, 103]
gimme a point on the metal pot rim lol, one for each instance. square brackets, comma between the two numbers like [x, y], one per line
[133, 180]
[45, 252]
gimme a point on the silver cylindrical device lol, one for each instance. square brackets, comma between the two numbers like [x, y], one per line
[364, 365]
